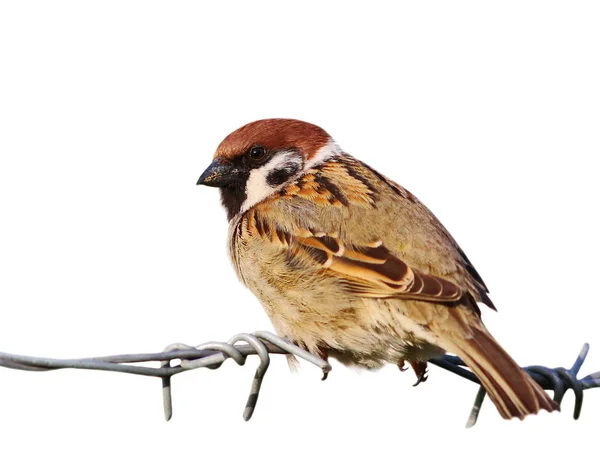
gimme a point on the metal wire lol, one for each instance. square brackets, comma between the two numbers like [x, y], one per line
[211, 355]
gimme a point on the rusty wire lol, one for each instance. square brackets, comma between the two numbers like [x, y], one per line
[211, 355]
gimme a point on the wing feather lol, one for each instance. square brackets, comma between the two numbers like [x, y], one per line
[370, 270]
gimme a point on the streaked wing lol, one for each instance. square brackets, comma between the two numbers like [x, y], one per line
[368, 270]
[331, 216]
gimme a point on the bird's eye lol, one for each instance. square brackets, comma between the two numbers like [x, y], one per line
[257, 152]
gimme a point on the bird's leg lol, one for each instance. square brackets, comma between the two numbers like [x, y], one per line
[420, 368]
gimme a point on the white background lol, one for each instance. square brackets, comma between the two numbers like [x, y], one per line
[109, 112]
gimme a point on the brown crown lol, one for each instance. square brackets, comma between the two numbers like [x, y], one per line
[274, 134]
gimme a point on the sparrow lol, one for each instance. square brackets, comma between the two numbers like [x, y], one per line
[350, 265]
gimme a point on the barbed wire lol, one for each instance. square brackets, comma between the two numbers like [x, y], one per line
[559, 380]
[212, 355]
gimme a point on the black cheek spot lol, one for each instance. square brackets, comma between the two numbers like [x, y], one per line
[280, 176]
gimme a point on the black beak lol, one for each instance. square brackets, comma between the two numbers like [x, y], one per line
[220, 173]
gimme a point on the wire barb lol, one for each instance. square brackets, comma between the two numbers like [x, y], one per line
[212, 355]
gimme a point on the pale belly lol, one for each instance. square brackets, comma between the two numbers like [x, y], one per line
[319, 315]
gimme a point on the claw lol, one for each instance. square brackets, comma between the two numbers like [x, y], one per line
[324, 355]
[402, 365]
[420, 368]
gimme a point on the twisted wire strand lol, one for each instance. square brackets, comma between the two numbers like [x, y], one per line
[212, 355]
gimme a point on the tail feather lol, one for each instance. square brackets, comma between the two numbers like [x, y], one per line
[512, 390]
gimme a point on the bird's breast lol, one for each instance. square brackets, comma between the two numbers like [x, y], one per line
[313, 309]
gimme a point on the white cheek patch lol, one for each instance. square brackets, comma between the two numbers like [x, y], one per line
[328, 151]
[257, 186]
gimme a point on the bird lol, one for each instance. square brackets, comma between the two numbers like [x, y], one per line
[350, 265]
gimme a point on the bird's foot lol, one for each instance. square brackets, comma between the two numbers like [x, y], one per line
[324, 355]
[402, 365]
[420, 368]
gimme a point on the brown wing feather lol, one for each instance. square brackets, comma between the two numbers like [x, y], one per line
[374, 272]
[370, 271]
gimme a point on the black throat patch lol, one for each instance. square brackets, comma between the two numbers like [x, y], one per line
[233, 197]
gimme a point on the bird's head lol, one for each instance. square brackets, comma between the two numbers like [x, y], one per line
[260, 158]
